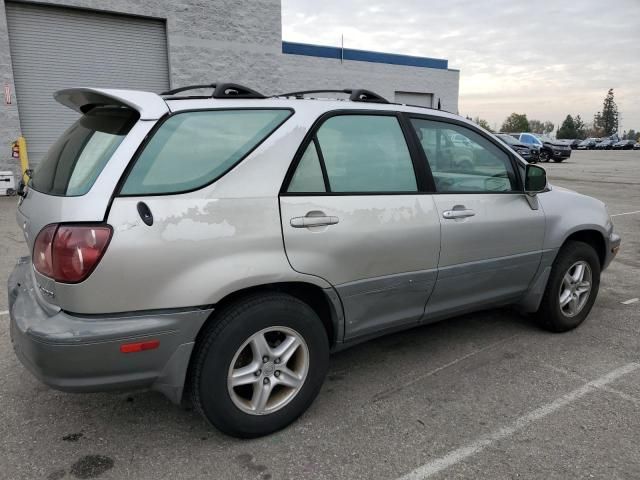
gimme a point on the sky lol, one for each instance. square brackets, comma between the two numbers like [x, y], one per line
[547, 58]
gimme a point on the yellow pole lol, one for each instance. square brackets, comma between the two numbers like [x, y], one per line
[24, 158]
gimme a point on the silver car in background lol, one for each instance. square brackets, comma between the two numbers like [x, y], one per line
[217, 248]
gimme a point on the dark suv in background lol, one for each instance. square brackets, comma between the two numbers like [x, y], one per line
[529, 152]
[550, 149]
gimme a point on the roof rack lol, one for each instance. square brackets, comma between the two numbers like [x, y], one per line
[355, 95]
[220, 90]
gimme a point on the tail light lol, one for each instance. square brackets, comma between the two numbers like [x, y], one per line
[69, 253]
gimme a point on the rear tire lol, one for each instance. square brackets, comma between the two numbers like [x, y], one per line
[245, 379]
[570, 294]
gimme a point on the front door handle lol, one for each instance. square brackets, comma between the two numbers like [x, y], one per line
[313, 221]
[453, 214]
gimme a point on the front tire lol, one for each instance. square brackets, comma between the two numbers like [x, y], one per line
[259, 365]
[544, 156]
[572, 288]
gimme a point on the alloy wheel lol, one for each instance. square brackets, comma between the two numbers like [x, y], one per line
[575, 289]
[268, 370]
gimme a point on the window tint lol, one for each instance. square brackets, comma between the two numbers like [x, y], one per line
[475, 165]
[192, 149]
[308, 176]
[366, 153]
[73, 163]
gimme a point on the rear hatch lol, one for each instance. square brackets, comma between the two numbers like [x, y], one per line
[75, 180]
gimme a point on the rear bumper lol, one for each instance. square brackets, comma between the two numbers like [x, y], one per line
[82, 353]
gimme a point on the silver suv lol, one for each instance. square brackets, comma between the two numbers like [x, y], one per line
[217, 248]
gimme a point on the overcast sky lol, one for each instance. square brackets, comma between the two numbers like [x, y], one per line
[546, 58]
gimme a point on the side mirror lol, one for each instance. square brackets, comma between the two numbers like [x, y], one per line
[535, 179]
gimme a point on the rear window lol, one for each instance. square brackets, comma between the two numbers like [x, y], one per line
[73, 163]
[192, 149]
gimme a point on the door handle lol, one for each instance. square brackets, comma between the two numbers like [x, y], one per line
[319, 221]
[453, 214]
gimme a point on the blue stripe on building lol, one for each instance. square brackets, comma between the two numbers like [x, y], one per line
[362, 55]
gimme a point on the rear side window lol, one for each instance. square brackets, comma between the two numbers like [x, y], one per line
[360, 153]
[192, 149]
[73, 163]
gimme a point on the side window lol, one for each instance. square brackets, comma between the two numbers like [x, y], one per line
[308, 176]
[366, 153]
[473, 166]
[193, 149]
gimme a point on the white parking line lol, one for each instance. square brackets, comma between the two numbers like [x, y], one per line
[630, 301]
[4, 312]
[458, 455]
[625, 213]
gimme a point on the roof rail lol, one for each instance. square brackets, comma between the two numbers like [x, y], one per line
[355, 95]
[220, 90]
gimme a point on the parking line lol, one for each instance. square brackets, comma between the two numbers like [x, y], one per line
[460, 454]
[625, 213]
[630, 301]
[4, 312]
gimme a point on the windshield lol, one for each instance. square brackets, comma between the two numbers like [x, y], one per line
[73, 163]
[508, 139]
[543, 138]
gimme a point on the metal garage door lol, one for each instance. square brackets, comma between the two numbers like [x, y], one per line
[54, 48]
[415, 98]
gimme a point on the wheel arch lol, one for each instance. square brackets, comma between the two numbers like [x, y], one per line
[324, 301]
[591, 237]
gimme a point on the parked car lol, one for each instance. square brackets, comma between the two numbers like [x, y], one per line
[218, 249]
[636, 146]
[528, 152]
[587, 144]
[550, 149]
[574, 143]
[624, 145]
[605, 144]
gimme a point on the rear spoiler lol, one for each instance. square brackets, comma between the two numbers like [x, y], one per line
[149, 105]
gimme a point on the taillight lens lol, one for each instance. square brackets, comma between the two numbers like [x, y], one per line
[69, 253]
[42, 250]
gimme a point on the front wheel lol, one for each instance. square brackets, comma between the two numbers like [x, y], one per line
[544, 156]
[259, 365]
[572, 288]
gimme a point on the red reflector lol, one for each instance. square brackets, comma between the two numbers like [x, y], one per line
[139, 346]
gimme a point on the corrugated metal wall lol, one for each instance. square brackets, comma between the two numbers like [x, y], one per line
[54, 48]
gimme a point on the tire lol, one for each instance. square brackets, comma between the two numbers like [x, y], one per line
[220, 350]
[544, 156]
[558, 160]
[551, 316]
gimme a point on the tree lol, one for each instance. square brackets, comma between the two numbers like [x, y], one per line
[607, 120]
[568, 128]
[536, 126]
[483, 123]
[516, 122]
[631, 135]
[581, 128]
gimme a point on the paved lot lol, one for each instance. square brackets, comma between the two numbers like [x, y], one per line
[481, 396]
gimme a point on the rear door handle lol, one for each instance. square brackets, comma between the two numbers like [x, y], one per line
[305, 222]
[453, 214]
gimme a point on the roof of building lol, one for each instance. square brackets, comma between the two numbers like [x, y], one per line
[362, 55]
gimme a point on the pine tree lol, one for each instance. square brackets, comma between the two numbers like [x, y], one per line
[608, 119]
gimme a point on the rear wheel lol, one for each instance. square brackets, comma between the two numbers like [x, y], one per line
[260, 365]
[558, 160]
[572, 288]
